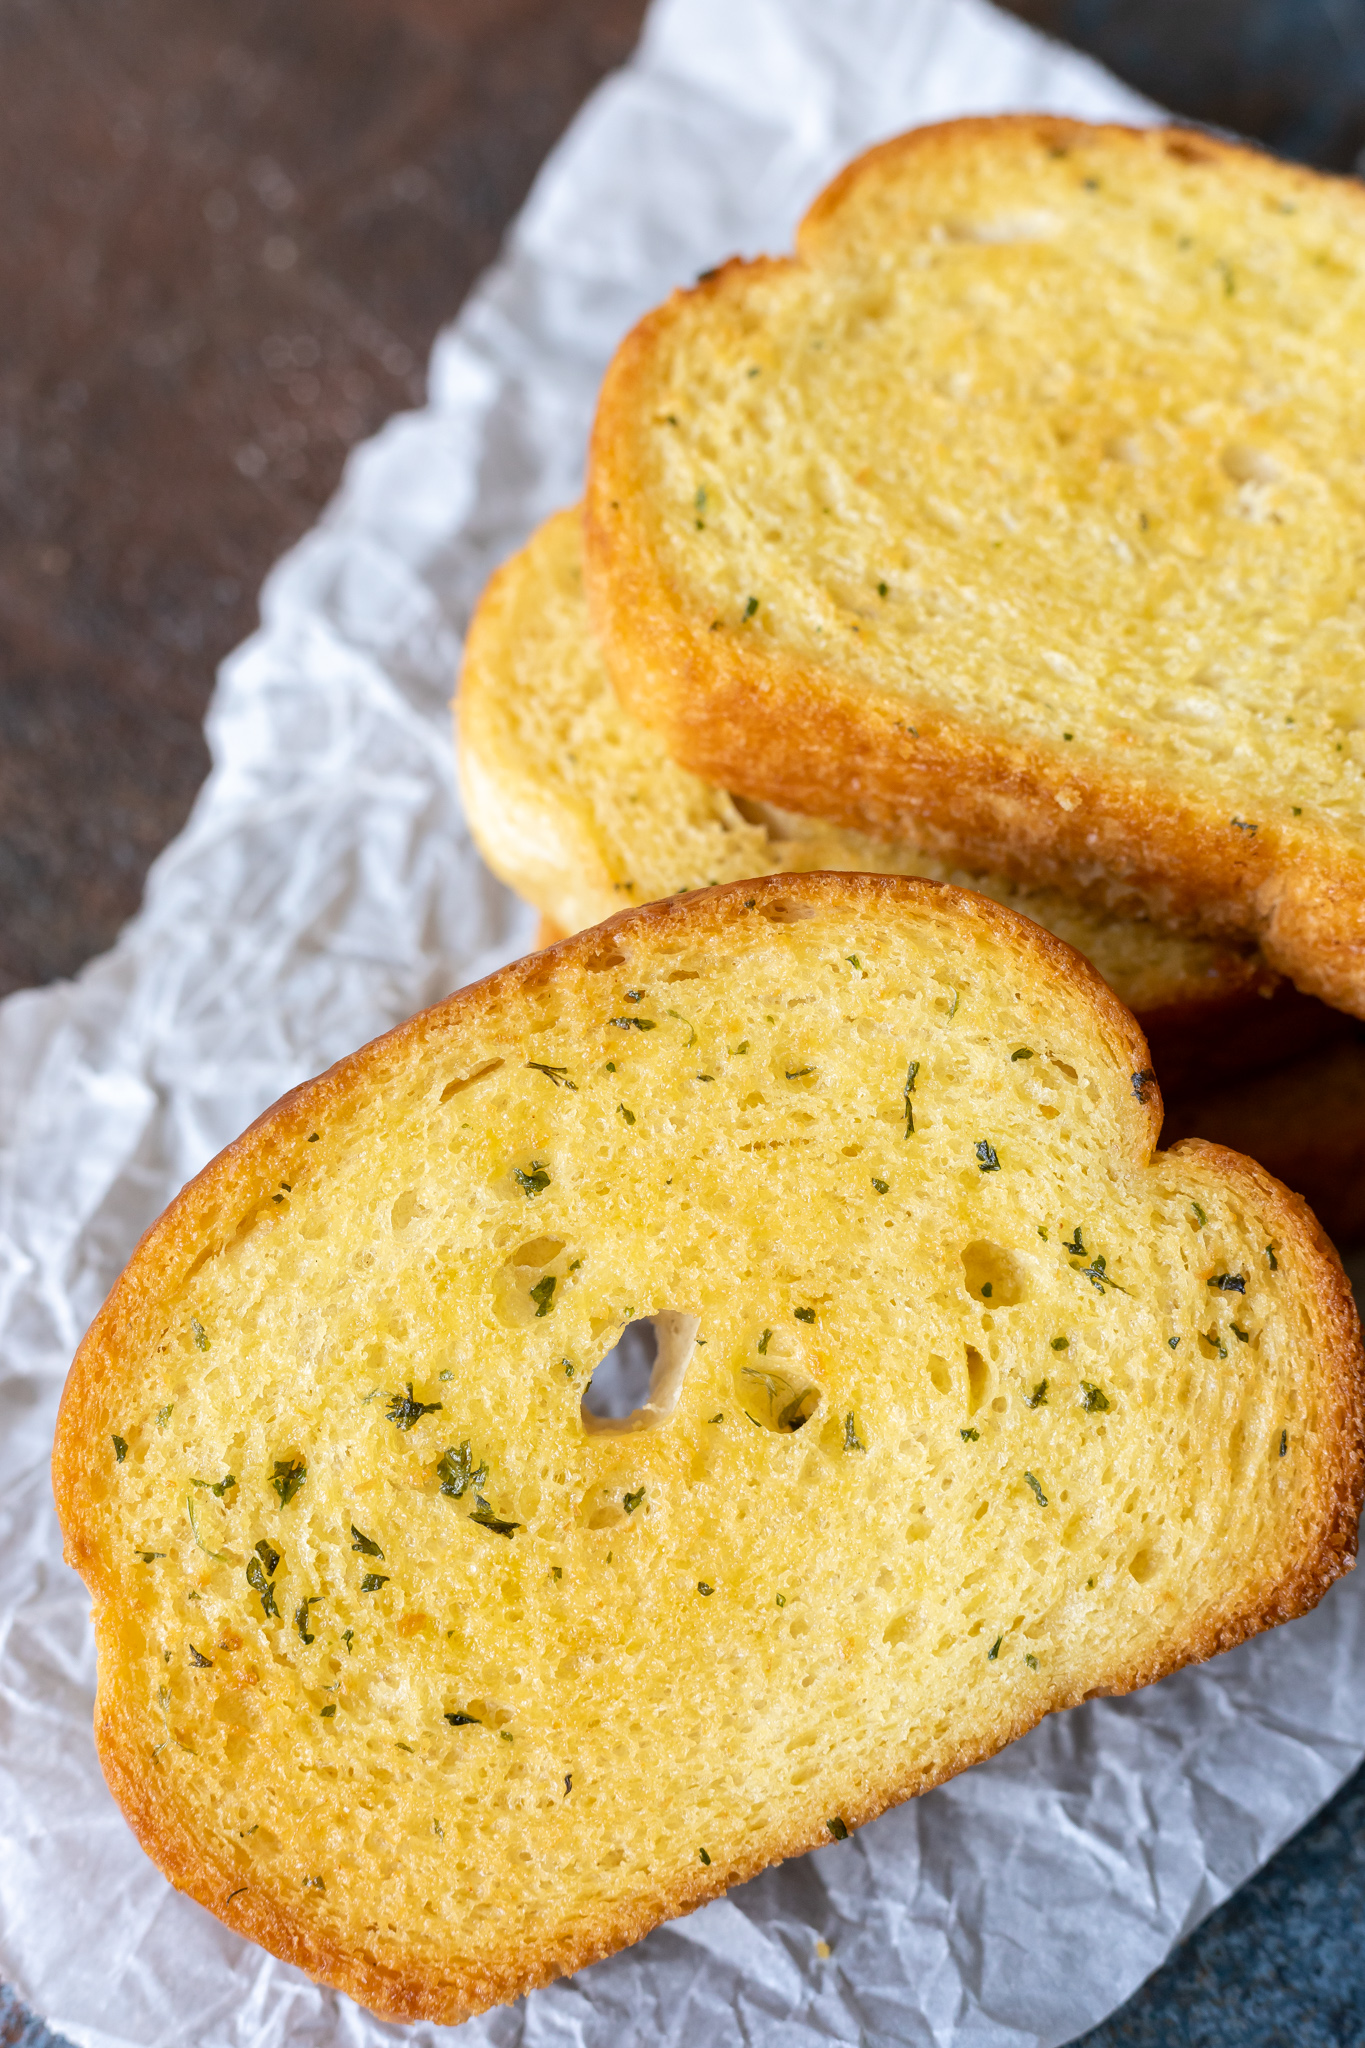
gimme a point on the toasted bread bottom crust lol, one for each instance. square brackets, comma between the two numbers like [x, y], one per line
[768, 726]
[251, 1167]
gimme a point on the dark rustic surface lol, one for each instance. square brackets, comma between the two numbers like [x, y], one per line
[231, 229]
[231, 232]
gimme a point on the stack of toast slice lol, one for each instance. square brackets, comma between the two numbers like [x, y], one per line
[920, 554]
[968, 596]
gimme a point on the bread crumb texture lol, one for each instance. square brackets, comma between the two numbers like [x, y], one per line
[578, 807]
[966, 1407]
[1025, 501]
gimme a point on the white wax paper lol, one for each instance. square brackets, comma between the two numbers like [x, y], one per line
[325, 888]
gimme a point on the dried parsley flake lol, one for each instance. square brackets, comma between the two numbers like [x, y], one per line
[457, 1471]
[288, 1477]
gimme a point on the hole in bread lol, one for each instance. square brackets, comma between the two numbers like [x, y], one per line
[784, 911]
[601, 963]
[522, 1292]
[479, 1073]
[978, 1376]
[537, 1252]
[993, 1274]
[778, 1398]
[1142, 1564]
[405, 1208]
[939, 1374]
[636, 1384]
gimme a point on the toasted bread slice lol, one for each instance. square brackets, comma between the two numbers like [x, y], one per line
[1023, 504]
[967, 1406]
[578, 807]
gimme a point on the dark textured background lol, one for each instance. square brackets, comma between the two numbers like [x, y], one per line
[231, 229]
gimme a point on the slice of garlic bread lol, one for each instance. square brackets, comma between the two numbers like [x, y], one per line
[967, 1406]
[1023, 503]
[578, 807]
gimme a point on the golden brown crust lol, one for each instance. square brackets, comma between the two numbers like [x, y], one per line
[759, 721]
[275, 1147]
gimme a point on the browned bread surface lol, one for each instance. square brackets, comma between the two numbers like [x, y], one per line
[1022, 507]
[973, 1406]
[578, 807]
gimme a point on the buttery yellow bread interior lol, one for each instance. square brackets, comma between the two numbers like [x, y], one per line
[1023, 506]
[578, 807]
[968, 1405]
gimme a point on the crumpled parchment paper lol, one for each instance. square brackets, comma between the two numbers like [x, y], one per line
[324, 888]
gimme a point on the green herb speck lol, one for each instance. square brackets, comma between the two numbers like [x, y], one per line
[988, 1160]
[1030, 1660]
[705, 1590]
[970, 1436]
[628, 1114]
[366, 1545]
[543, 1294]
[200, 1336]
[1284, 1442]
[631, 1501]
[1037, 1489]
[456, 1469]
[702, 1856]
[372, 1582]
[1229, 1283]
[486, 1519]
[163, 1415]
[288, 1477]
[838, 1829]
[406, 1412]
[763, 1343]
[256, 1578]
[1025, 1052]
[1094, 1400]
[1038, 1398]
[1270, 1254]
[751, 607]
[804, 1315]
[851, 1438]
[906, 1092]
[994, 1650]
[120, 1450]
[533, 1182]
[880, 1185]
[198, 1659]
